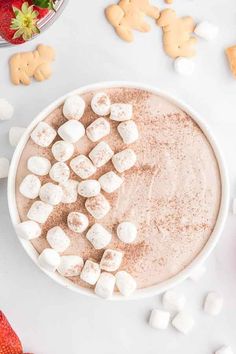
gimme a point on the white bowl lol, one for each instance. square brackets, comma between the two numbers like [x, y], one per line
[161, 287]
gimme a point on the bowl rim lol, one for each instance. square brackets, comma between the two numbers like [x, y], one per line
[223, 211]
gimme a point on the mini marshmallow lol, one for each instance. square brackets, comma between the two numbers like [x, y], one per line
[98, 236]
[4, 167]
[59, 172]
[213, 304]
[183, 322]
[51, 193]
[124, 160]
[110, 182]
[58, 239]
[30, 186]
[98, 206]
[69, 189]
[197, 273]
[224, 350]
[121, 112]
[89, 188]
[234, 206]
[184, 66]
[28, 230]
[101, 104]
[62, 151]
[91, 272]
[70, 266]
[126, 232]
[173, 301]
[39, 212]
[206, 30]
[82, 166]
[74, 107]
[98, 129]
[125, 283]
[15, 133]
[159, 319]
[128, 131]
[77, 222]
[111, 260]
[39, 165]
[71, 131]
[43, 135]
[6, 109]
[105, 285]
[101, 154]
[49, 260]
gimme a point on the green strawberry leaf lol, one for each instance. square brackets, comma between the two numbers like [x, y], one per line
[45, 4]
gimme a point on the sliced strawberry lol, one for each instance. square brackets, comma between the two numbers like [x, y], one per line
[9, 342]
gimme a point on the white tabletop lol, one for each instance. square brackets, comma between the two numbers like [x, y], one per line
[52, 320]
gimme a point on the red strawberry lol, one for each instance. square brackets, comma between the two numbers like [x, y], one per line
[9, 342]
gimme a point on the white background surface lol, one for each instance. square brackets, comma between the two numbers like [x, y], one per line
[52, 320]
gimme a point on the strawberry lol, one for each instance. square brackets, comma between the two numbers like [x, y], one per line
[9, 342]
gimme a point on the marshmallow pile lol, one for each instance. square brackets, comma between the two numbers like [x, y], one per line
[64, 190]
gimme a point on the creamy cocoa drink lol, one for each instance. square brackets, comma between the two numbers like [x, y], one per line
[172, 193]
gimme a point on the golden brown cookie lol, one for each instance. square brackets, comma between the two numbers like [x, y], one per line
[37, 64]
[231, 55]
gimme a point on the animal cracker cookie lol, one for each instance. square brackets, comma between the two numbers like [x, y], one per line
[35, 64]
[231, 55]
[130, 15]
[177, 39]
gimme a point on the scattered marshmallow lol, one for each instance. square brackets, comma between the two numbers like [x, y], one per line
[111, 260]
[30, 186]
[51, 193]
[184, 66]
[58, 239]
[234, 206]
[124, 160]
[159, 319]
[89, 188]
[70, 266]
[59, 172]
[39, 165]
[43, 135]
[98, 206]
[128, 131]
[101, 154]
[206, 30]
[121, 112]
[74, 107]
[105, 285]
[213, 304]
[71, 131]
[98, 236]
[28, 230]
[91, 272]
[4, 167]
[101, 104]
[197, 273]
[77, 222]
[110, 182]
[69, 189]
[62, 150]
[125, 283]
[98, 129]
[173, 301]
[183, 322]
[39, 212]
[82, 166]
[49, 260]
[224, 350]
[15, 133]
[6, 109]
[126, 232]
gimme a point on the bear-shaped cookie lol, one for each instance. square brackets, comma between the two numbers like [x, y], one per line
[37, 64]
[177, 38]
[130, 15]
